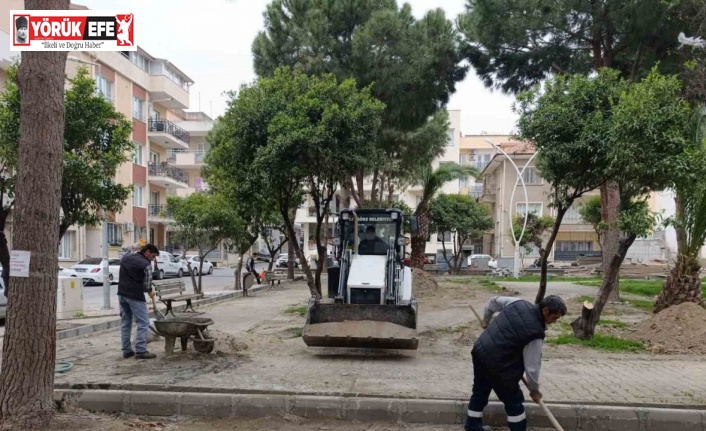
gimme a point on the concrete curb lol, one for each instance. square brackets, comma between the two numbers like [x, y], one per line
[115, 323]
[574, 417]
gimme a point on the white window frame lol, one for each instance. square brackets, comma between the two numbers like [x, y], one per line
[66, 246]
[138, 196]
[115, 234]
[138, 156]
[138, 108]
[104, 87]
[531, 177]
[519, 205]
[451, 137]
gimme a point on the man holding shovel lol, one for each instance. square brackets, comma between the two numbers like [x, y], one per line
[510, 347]
[135, 280]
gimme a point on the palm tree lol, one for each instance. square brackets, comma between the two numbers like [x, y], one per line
[683, 283]
[432, 180]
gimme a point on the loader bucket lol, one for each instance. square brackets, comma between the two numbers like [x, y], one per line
[362, 326]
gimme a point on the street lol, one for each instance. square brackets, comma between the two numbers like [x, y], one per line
[221, 279]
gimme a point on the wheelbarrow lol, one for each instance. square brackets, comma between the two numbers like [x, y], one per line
[184, 328]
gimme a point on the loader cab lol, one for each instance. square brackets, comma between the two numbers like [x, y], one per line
[370, 232]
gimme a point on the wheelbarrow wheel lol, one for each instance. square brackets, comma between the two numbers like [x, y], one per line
[204, 346]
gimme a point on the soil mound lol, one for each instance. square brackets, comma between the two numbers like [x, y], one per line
[678, 329]
[422, 283]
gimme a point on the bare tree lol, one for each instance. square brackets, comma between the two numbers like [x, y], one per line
[29, 345]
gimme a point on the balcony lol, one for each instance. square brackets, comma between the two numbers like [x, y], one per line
[169, 93]
[186, 159]
[168, 134]
[166, 175]
[158, 214]
[476, 191]
[489, 190]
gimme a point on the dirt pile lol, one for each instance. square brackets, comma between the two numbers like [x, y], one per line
[678, 329]
[422, 283]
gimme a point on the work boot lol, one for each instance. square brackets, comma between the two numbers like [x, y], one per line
[145, 355]
[128, 355]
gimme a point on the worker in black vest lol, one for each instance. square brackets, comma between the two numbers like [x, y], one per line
[136, 280]
[510, 347]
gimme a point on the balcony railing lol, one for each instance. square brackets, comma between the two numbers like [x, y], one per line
[168, 127]
[165, 170]
[489, 186]
[158, 211]
[198, 155]
[476, 191]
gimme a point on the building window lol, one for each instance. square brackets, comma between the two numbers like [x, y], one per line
[572, 216]
[138, 108]
[445, 237]
[66, 246]
[451, 137]
[115, 234]
[531, 177]
[534, 208]
[137, 195]
[139, 60]
[574, 246]
[138, 154]
[104, 87]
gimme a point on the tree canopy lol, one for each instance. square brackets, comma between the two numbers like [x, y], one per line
[292, 133]
[463, 217]
[411, 65]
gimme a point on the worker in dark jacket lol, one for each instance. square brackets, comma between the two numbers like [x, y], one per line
[136, 280]
[510, 347]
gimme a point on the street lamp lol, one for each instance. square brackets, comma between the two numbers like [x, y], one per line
[516, 262]
[104, 222]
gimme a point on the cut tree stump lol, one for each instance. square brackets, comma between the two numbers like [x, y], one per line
[583, 325]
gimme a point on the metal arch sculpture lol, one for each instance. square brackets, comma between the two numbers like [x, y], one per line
[516, 263]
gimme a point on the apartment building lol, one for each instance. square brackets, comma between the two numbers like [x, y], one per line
[170, 143]
[500, 179]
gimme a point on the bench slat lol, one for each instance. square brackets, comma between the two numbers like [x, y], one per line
[180, 297]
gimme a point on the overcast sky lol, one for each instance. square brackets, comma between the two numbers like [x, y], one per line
[210, 41]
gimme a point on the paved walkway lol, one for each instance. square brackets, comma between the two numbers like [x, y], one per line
[438, 370]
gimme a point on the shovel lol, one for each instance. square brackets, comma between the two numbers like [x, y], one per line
[549, 414]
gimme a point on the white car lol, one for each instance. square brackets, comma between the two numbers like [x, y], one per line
[283, 259]
[91, 270]
[166, 265]
[194, 261]
[492, 263]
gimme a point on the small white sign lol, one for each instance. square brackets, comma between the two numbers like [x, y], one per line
[19, 263]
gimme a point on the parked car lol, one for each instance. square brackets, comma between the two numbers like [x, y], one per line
[492, 263]
[263, 255]
[166, 265]
[194, 261]
[408, 261]
[91, 270]
[283, 259]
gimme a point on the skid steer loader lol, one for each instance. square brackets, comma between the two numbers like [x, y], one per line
[370, 302]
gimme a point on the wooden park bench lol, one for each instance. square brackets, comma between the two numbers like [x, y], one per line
[170, 291]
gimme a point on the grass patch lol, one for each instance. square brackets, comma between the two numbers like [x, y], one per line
[636, 287]
[608, 343]
[614, 323]
[640, 303]
[582, 299]
[453, 329]
[296, 310]
[463, 280]
[551, 277]
[490, 285]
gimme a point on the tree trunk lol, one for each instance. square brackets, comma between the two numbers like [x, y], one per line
[4, 250]
[583, 325]
[610, 209]
[291, 255]
[302, 259]
[29, 345]
[547, 251]
[683, 284]
[583, 328]
[419, 242]
[192, 277]
[239, 271]
[443, 252]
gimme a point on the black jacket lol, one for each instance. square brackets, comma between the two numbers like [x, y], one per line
[131, 283]
[500, 347]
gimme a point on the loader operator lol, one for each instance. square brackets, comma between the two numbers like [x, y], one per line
[372, 244]
[511, 346]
